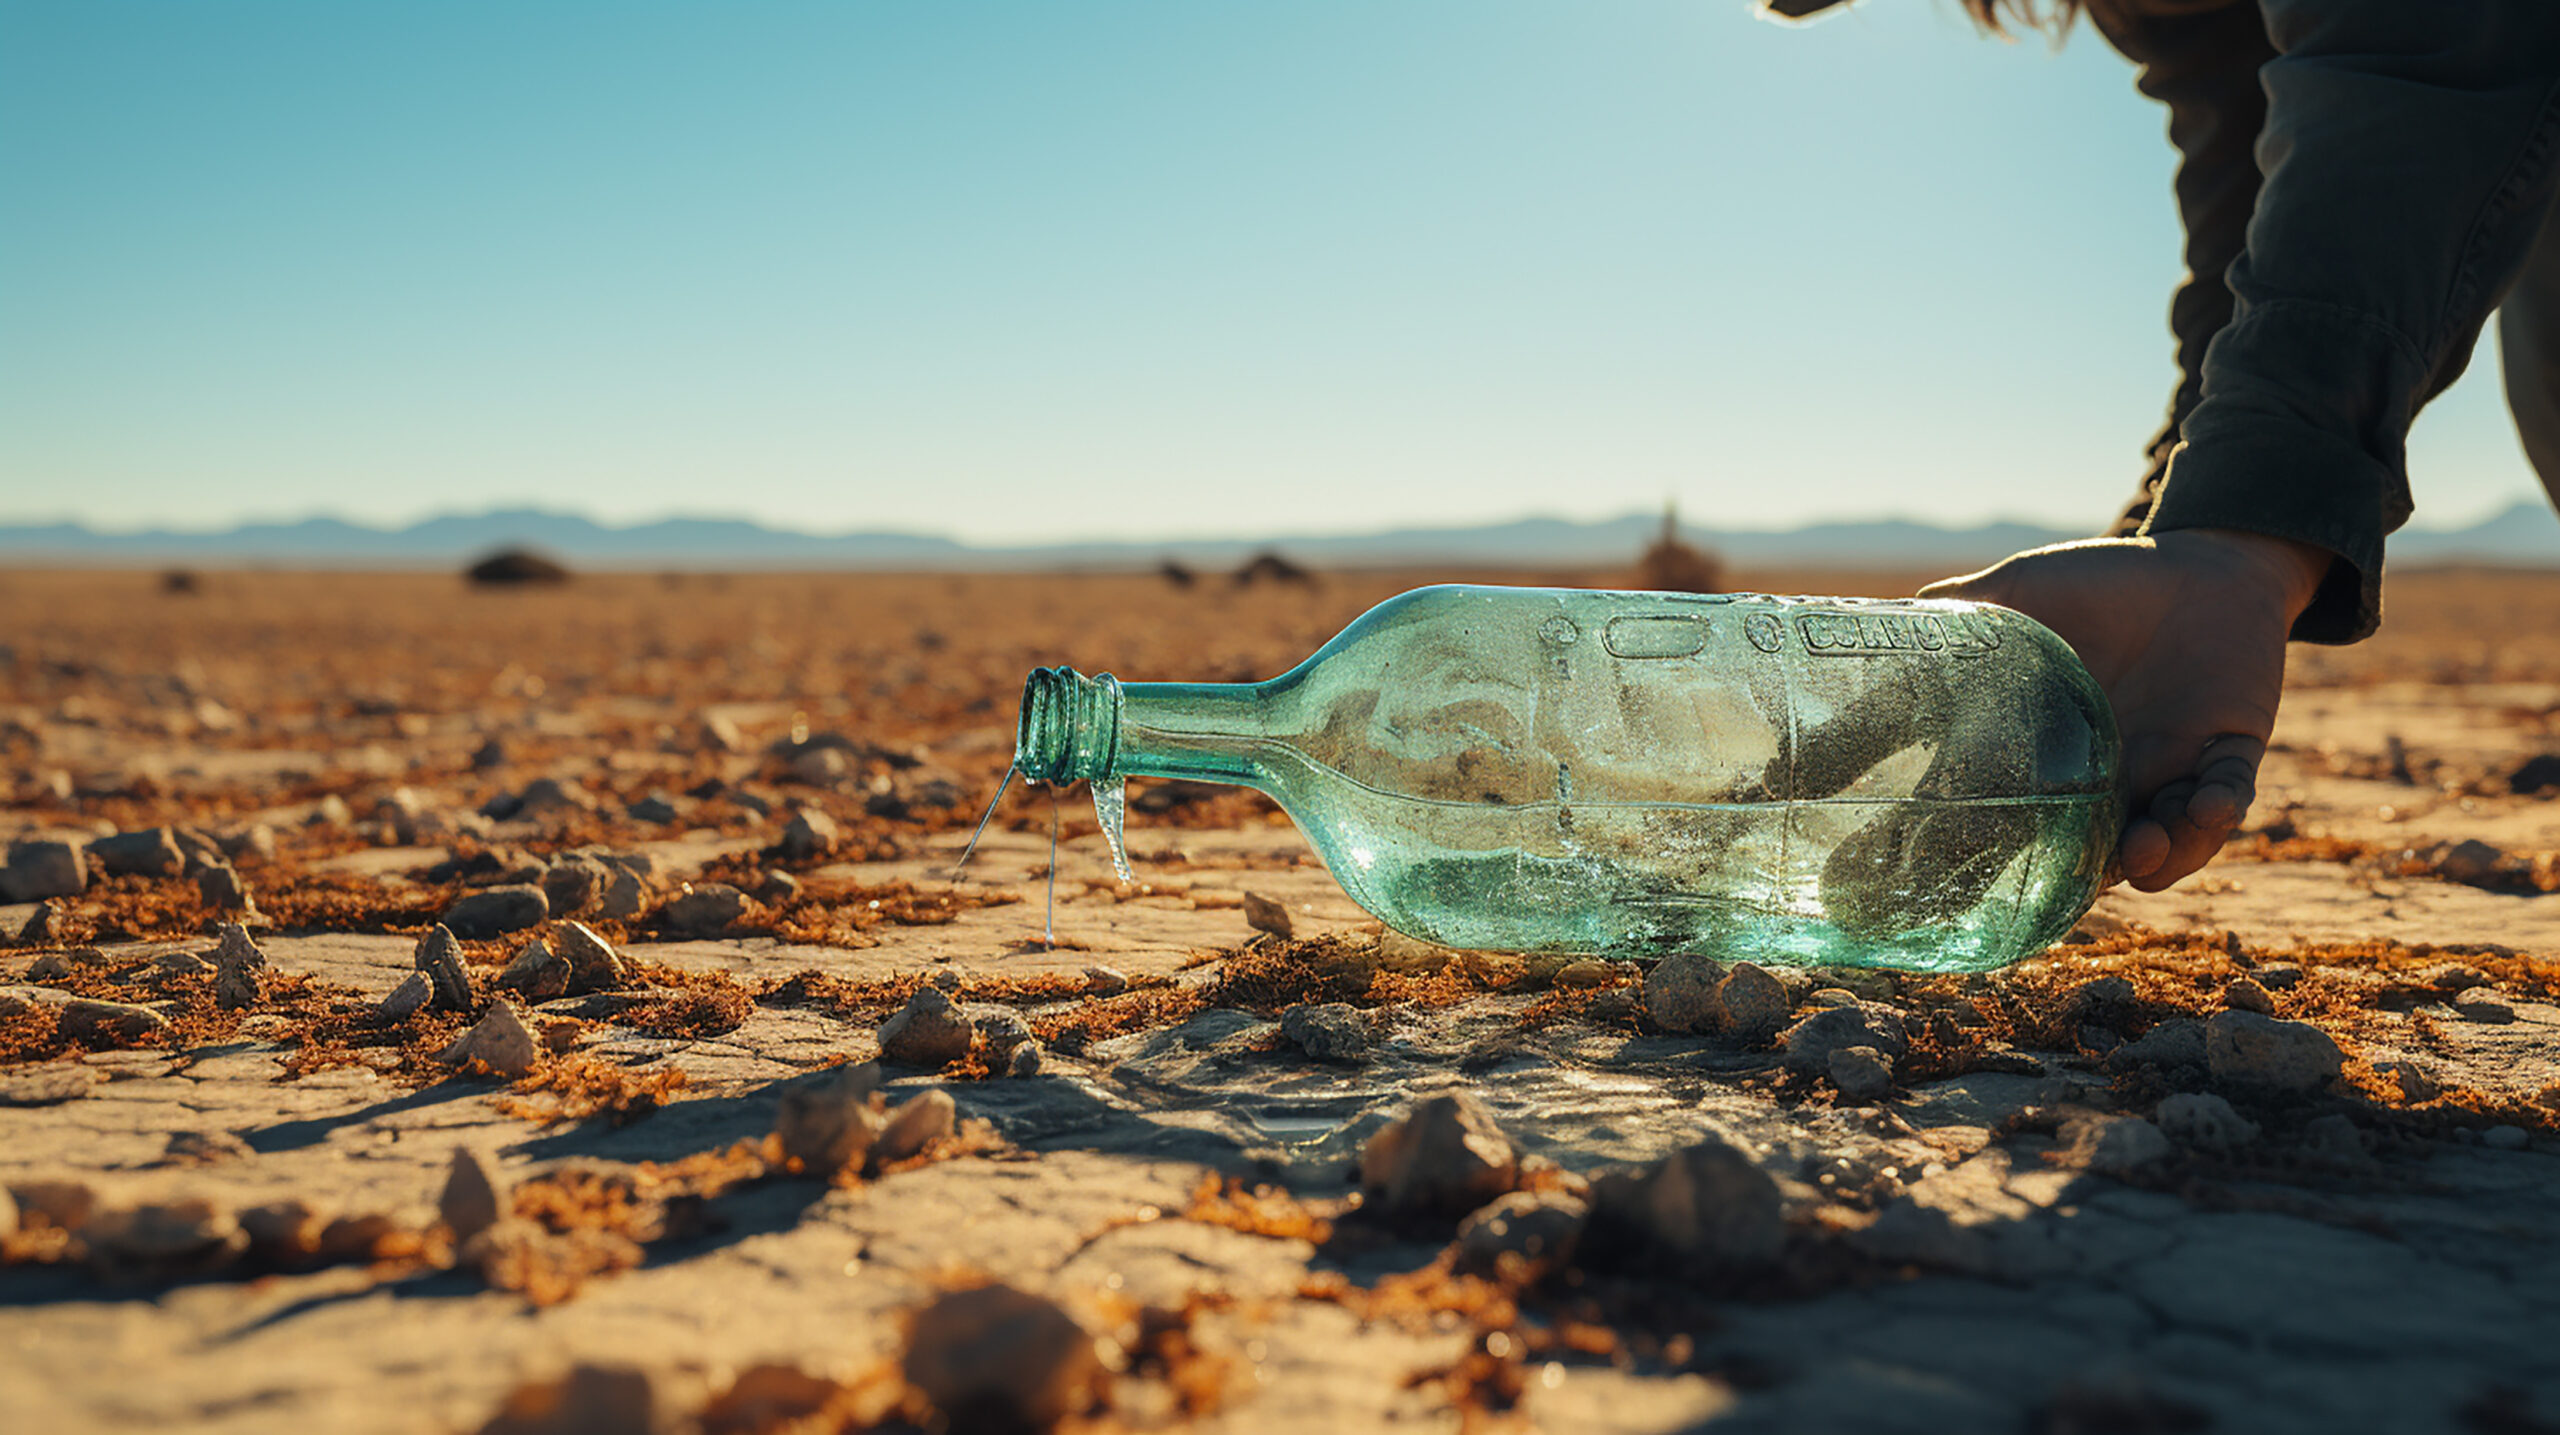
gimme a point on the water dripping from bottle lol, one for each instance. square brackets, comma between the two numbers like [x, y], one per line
[1111, 804]
[967, 852]
[1049, 923]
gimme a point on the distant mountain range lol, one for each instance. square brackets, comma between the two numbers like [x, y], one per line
[2527, 534]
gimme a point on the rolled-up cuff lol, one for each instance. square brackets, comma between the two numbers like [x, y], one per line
[2297, 482]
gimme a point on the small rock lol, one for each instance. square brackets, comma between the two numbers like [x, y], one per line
[916, 1123]
[439, 955]
[330, 811]
[716, 732]
[87, 1019]
[239, 969]
[2101, 1001]
[501, 1041]
[2176, 1042]
[285, 1230]
[2335, 1137]
[1327, 1031]
[1105, 981]
[2506, 1138]
[657, 808]
[1026, 1061]
[626, 895]
[550, 797]
[491, 753]
[1861, 1073]
[1752, 1003]
[2484, 1004]
[928, 1031]
[821, 766]
[594, 966]
[49, 967]
[180, 964]
[496, 911]
[43, 867]
[2245, 994]
[204, 1148]
[403, 1001]
[2535, 774]
[2416, 1082]
[1586, 973]
[354, 1238]
[589, 1400]
[998, 1359]
[810, 835]
[63, 1205]
[254, 842]
[1810, 1043]
[40, 926]
[1444, 1158]
[1707, 1209]
[707, 909]
[2204, 1121]
[233, 947]
[2279, 976]
[2112, 1145]
[1265, 915]
[168, 1240]
[946, 981]
[1002, 1029]
[471, 1202]
[829, 1123]
[150, 852]
[1540, 1227]
[571, 884]
[2471, 862]
[222, 889]
[537, 973]
[201, 851]
[2247, 1050]
[1680, 993]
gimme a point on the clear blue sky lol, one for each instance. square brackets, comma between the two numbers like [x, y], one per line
[1010, 270]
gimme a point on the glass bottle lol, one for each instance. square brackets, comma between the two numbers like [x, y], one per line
[1922, 784]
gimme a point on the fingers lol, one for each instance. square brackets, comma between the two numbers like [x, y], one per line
[2144, 846]
[2189, 819]
[2227, 782]
[1963, 585]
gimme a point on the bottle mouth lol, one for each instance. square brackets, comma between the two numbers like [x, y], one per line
[1070, 726]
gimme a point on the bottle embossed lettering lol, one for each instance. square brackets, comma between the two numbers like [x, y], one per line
[1925, 784]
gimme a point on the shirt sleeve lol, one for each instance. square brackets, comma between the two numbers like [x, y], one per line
[2203, 65]
[2407, 160]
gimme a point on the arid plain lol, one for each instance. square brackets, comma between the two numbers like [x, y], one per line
[728, 1106]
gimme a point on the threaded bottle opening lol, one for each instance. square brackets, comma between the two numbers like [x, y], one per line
[1070, 727]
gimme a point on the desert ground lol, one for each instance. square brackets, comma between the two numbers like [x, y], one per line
[728, 1106]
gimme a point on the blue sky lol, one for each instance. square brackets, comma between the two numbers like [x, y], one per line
[1018, 270]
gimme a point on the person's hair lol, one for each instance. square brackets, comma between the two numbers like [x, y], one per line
[1996, 16]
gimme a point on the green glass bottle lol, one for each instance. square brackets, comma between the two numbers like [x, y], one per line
[1915, 783]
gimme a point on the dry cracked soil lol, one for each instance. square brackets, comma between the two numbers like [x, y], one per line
[2268, 1152]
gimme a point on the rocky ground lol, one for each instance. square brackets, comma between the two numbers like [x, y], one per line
[440, 1009]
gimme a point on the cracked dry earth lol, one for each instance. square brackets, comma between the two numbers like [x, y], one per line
[2270, 1152]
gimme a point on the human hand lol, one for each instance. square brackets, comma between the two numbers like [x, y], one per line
[2186, 634]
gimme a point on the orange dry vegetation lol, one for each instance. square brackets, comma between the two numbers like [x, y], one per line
[582, 1086]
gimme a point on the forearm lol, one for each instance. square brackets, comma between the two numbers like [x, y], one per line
[2408, 160]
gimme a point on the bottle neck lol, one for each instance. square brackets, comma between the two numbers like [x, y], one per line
[1074, 727]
